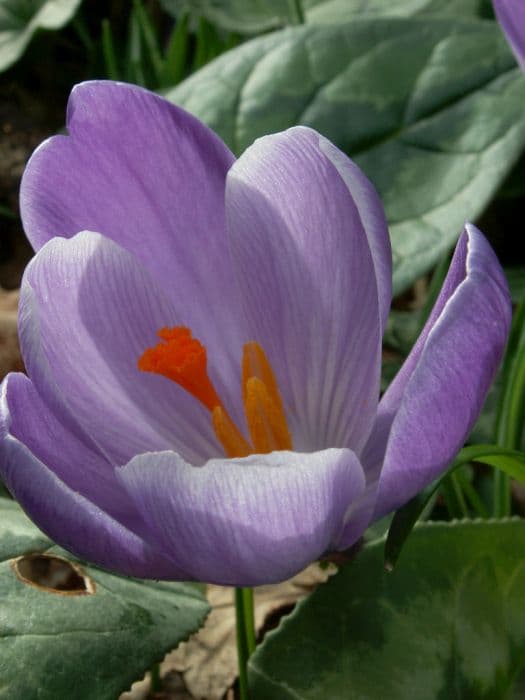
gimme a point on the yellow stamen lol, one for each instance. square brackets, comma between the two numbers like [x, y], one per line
[256, 364]
[183, 359]
[228, 434]
[266, 422]
[263, 405]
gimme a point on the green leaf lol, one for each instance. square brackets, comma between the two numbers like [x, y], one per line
[448, 623]
[108, 51]
[511, 414]
[332, 11]
[19, 20]
[150, 39]
[510, 418]
[244, 16]
[176, 53]
[511, 462]
[254, 16]
[18, 534]
[432, 110]
[87, 645]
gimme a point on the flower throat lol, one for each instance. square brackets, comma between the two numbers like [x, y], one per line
[183, 359]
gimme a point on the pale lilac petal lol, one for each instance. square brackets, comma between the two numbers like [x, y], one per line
[75, 461]
[511, 16]
[454, 367]
[246, 521]
[455, 276]
[308, 280]
[373, 219]
[359, 514]
[68, 517]
[150, 176]
[88, 310]
[374, 452]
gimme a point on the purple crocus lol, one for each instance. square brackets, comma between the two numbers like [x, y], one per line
[511, 16]
[248, 440]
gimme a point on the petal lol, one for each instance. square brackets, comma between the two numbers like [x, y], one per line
[374, 452]
[449, 375]
[75, 461]
[358, 516]
[455, 276]
[88, 310]
[511, 16]
[68, 517]
[308, 281]
[151, 177]
[373, 220]
[247, 521]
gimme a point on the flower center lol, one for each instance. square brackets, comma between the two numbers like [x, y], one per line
[183, 359]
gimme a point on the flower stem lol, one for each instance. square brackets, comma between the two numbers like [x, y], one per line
[245, 635]
[155, 678]
[249, 619]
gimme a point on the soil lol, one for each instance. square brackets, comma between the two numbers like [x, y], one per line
[25, 121]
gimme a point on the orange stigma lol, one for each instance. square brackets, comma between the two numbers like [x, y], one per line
[182, 358]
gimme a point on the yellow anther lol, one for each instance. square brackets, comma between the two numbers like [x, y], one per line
[256, 364]
[266, 421]
[228, 435]
[183, 359]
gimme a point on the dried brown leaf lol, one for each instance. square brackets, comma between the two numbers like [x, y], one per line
[208, 661]
[205, 667]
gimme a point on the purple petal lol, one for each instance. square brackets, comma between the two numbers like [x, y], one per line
[247, 521]
[151, 177]
[511, 16]
[359, 515]
[76, 462]
[438, 398]
[66, 516]
[308, 280]
[373, 220]
[88, 310]
[455, 276]
[375, 449]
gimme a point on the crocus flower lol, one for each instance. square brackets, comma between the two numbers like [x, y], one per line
[511, 16]
[202, 337]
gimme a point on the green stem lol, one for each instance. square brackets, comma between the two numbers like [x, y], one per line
[108, 51]
[249, 620]
[458, 492]
[453, 497]
[155, 678]
[472, 495]
[245, 635]
[177, 52]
